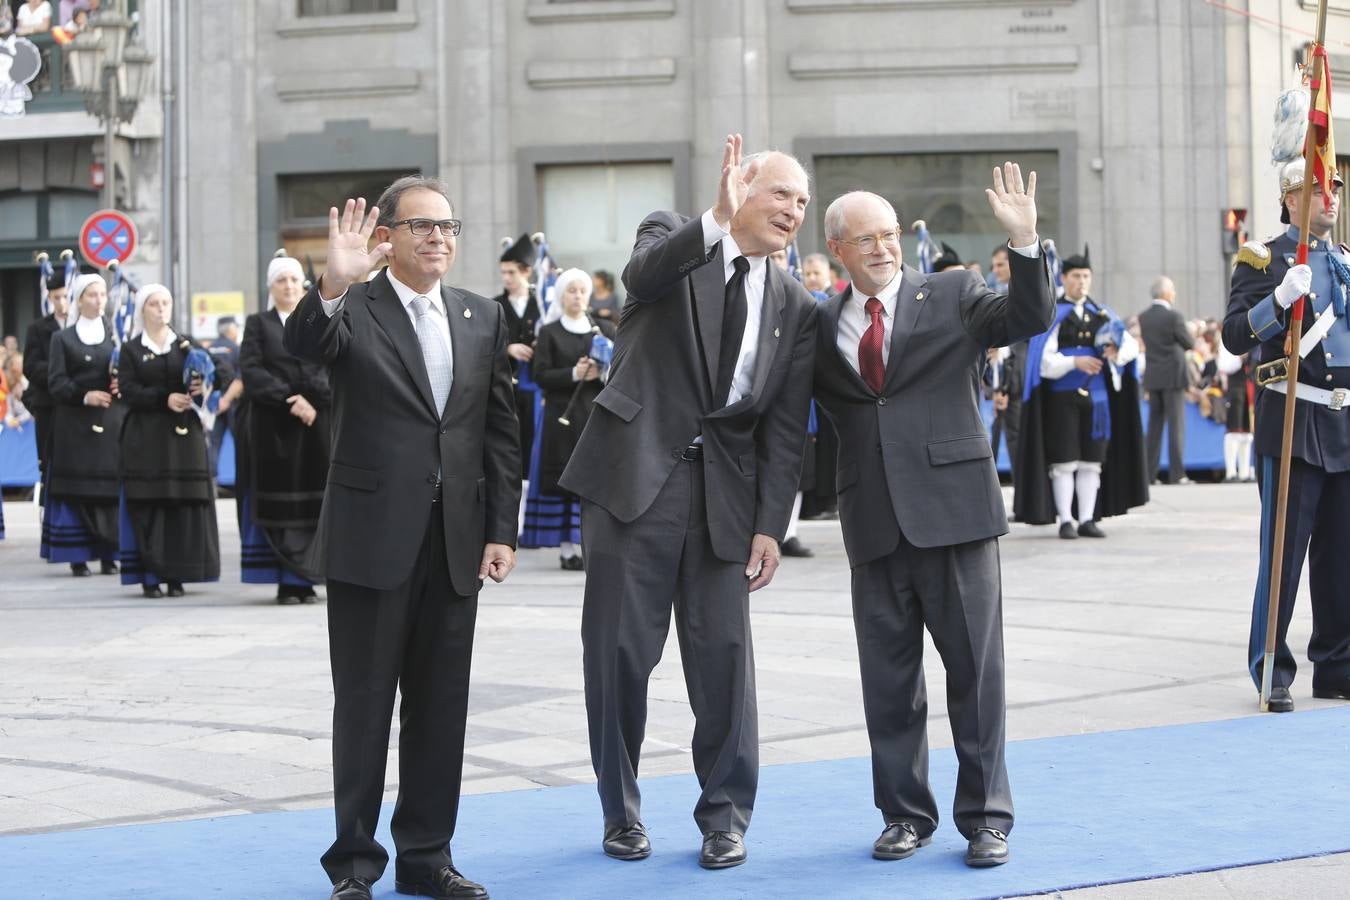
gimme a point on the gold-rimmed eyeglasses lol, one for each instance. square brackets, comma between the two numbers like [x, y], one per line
[868, 242]
[422, 227]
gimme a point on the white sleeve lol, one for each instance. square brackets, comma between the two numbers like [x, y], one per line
[331, 307]
[1030, 251]
[1128, 350]
[1053, 363]
[1228, 363]
[712, 232]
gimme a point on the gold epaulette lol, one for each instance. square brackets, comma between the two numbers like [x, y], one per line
[1255, 254]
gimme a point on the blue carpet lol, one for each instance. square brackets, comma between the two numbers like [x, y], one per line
[1092, 809]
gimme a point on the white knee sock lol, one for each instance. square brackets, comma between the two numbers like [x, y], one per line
[1231, 441]
[1089, 478]
[794, 519]
[567, 549]
[1061, 484]
[1244, 455]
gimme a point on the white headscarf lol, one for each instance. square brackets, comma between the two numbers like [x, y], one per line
[279, 266]
[77, 287]
[555, 311]
[137, 318]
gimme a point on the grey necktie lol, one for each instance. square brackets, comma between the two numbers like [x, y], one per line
[434, 352]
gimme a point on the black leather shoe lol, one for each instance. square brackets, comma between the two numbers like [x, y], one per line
[1280, 701]
[722, 850]
[898, 841]
[1326, 690]
[1067, 532]
[175, 589]
[627, 842]
[353, 888]
[794, 547]
[1090, 529]
[107, 567]
[151, 591]
[80, 570]
[572, 563]
[989, 847]
[287, 595]
[307, 595]
[444, 884]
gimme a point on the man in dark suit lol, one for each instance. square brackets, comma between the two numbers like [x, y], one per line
[1166, 341]
[688, 469]
[421, 505]
[36, 350]
[898, 359]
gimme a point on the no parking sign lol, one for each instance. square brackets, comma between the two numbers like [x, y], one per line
[107, 235]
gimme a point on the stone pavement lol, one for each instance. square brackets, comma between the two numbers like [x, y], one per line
[115, 709]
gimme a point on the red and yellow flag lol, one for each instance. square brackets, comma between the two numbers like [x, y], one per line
[1321, 147]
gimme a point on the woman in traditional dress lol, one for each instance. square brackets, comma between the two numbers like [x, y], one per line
[282, 453]
[82, 487]
[168, 513]
[570, 380]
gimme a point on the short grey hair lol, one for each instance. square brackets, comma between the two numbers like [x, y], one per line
[764, 156]
[816, 257]
[834, 213]
[389, 200]
[1159, 286]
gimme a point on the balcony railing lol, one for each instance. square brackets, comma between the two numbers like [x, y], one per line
[52, 89]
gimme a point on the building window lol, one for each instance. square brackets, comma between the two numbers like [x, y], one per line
[19, 217]
[344, 7]
[946, 190]
[68, 210]
[306, 200]
[590, 213]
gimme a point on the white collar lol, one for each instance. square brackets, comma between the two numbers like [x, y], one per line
[887, 295]
[1159, 301]
[407, 295]
[161, 349]
[90, 331]
[731, 250]
[580, 325]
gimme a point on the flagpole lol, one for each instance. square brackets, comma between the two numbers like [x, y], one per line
[1316, 86]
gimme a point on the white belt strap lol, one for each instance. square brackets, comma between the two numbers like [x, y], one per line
[1332, 399]
[1318, 331]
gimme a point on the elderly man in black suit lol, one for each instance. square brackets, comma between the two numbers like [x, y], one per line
[688, 470]
[421, 504]
[897, 370]
[1166, 340]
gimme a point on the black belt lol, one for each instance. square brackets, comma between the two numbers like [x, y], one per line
[692, 453]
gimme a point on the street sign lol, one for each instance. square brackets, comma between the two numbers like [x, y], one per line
[107, 235]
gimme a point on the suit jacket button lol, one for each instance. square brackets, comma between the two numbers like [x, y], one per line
[881, 401]
[1329, 378]
[431, 479]
[444, 430]
[309, 320]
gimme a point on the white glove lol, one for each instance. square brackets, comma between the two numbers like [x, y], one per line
[1297, 282]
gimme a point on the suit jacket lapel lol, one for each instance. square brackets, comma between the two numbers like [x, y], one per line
[462, 361]
[770, 322]
[907, 312]
[710, 290]
[389, 313]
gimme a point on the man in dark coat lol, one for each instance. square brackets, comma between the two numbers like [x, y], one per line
[421, 505]
[1166, 340]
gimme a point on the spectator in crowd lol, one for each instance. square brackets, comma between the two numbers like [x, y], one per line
[282, 429]
[78, 21]
[820, 500]
[1235, 380]
[11, 344]
[605, 303]
[1166, 341]
[65, 10]
[6, 20]
[167, 528]
[999, 273]
[35, 17]
[16, 414]
[95, 10]
[816, 276]
[570, 381]
[224, 352]
[82, 487]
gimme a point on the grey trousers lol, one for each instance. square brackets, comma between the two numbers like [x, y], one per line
[1168, 406]
[957, 593]
[636, 573]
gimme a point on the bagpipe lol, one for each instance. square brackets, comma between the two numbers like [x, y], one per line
[600, 354]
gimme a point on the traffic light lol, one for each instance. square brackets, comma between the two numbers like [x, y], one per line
[1234, 230]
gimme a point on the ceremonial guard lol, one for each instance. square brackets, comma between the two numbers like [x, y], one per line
[1081, 447]
[168, 513]
[282, 423]
[1266, 282]
[570, 377]
[82, 472]
[523, 313]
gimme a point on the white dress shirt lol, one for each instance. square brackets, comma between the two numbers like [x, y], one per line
[90, 331]
[406, 295]
[161, 349]
[1056, 365]
[743, 376]
[854, 320]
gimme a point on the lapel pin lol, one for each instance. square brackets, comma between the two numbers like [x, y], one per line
[776, 332]
[919, 295]
[88, 358]
[467, 314]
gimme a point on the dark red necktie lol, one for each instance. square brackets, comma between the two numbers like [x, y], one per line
[870, 364]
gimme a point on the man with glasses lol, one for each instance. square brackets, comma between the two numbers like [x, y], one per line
[420, 507]
[898, 357]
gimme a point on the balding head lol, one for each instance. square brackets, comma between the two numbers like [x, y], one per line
[1163, 289]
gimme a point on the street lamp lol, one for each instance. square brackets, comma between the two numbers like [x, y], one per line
[112, 75]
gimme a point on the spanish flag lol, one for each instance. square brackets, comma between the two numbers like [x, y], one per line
[1321, 148]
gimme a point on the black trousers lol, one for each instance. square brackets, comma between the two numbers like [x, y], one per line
[417, 638]
[1316, 524]
[1167, 407]
[957, 593]
[42, 426]
[635, 573]
[1008, 426]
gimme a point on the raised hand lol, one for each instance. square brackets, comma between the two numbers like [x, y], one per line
[735, 184]
[1013, 204]
[349, 260]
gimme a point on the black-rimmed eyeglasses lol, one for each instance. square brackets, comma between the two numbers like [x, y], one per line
[422, 227]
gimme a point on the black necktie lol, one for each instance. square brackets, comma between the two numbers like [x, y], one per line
[733, 329]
